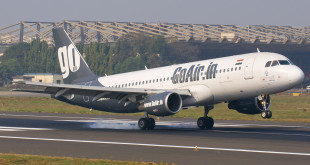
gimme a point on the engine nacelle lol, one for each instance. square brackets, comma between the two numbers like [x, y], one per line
[251, 105]
[163, 104]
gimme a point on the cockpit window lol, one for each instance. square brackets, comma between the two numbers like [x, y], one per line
[284, 62]
[274, 63]
[268, 64]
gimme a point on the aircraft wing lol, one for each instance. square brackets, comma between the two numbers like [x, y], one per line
[97, 91]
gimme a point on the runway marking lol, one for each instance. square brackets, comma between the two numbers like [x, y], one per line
[265, 133]
[262, 125]
[41, 116]
[9, 129]
[158, 145]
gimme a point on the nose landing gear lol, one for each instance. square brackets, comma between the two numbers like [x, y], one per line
[263, 101]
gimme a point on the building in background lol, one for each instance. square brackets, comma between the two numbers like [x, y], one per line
[40, 77]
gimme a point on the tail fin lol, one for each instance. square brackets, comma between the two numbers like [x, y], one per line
[73, 67]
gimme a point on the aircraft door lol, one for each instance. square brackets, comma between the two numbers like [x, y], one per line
[248, 70]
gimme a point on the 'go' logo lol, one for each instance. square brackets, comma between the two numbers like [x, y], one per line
[68, 59]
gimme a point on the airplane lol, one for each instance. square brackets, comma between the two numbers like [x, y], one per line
[243, 81]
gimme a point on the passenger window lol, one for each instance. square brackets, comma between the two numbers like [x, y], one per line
[223, 70]
[150, 81]
[232, 69]
[167, 78]
[239, 67]
[274, 63]
[268, 64]
[227, 70]
[156, 80]
[160, 79]
[164, 79]
[220, 70]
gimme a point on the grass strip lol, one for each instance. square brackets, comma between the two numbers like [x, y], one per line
[16, 159]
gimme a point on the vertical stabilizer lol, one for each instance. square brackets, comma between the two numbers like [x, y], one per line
[73, 67]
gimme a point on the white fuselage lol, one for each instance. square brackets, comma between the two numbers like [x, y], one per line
[216, 80]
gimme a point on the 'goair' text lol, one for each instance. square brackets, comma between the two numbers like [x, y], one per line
[193, 73]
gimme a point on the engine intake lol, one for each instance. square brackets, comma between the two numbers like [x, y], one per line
[163, 104]
[251, 105]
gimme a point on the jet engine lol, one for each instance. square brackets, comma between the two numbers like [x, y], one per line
[162, 104]
[254, 105]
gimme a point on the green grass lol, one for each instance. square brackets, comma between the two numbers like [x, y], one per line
[14, 159]
[284, 108]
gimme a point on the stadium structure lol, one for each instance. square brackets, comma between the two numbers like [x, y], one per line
[99, 31]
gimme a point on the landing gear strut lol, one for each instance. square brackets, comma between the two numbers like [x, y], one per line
[146, 123]
[206, 122]
[266, 114]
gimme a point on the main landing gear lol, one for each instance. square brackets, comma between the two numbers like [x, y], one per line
[266, 114]
[146, 123]
[206, 122]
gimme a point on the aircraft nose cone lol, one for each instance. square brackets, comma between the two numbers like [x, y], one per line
[295, 76]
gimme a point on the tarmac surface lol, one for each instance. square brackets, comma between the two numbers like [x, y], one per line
[173, 140]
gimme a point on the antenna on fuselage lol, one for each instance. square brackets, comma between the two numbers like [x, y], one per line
[145, 67]
[258, 50]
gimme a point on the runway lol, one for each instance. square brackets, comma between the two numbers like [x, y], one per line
[173, 140]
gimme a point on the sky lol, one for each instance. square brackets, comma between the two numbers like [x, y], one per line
[228, 12]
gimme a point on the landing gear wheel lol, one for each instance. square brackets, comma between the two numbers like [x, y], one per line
[209, 123]
[151, 125]
[143, 123]
[205, 122]
[266, 114]
[201, 123]
[269, 114]
[146, 123]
